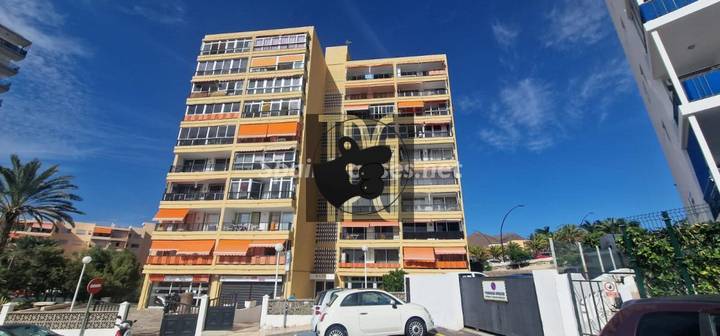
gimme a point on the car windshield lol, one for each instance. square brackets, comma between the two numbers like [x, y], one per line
[29, 330]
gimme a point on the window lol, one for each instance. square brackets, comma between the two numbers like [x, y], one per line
[219, 67]
[134, 245]
[274, 85]
[424, 131]
[375, 299]
[351, 300]
[386, 256]
[225, 46]
[212, 135]
[212, 108]
[274, 188]
[229, 88]
[669, 324]
[278, 42]
[354, 255]
[264, 160]
[271, 108]
[428, 154]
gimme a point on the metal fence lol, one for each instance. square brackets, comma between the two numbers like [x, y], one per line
[674, 252]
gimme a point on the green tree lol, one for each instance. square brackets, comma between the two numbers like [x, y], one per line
[569, 233]
[517, 254]
[496, 252]
[394, 281]
[34, 266]
[26, 192]
[538, 243]
[119, 270]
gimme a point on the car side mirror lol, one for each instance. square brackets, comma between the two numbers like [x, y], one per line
[394, 305]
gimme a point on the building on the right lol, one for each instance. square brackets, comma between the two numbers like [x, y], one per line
[673, 49]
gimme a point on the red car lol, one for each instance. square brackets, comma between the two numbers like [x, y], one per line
[667, 316]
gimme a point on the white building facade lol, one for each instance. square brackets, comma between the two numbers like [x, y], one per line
[673, 49]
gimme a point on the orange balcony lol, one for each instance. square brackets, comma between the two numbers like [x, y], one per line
[369, 265]
[179, 260]
[249, 260]
[451, 264]
[439, 264]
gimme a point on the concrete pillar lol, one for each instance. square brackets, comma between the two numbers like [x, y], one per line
[214, 290]
[144, 292]
[124, 310]
[263, 311]
[6, 309]
[669, 67]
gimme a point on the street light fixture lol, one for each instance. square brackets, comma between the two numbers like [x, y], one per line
[278, 249]
[85, 260]
[365, 250]
[502, 246]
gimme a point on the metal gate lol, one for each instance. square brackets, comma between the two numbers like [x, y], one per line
[247, 291]
[179, 319]
[593, 307]
[220, 314]
[502, 317]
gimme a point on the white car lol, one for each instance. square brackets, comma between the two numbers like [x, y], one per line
[321, 304]
[355, 312]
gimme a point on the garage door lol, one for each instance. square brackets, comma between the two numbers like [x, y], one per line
[247, 291]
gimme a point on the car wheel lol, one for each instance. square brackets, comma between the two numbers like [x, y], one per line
[336, 330]
[415, 327]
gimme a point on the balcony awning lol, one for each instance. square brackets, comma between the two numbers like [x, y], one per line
[232, 247]
[163, 245]
[355, 224]
[263, 61]
[419, 254]
[102, 230]
[369, 224]
[357, 107]
[44, 226]
[376, 224]
[283, 129]
[170, 215]
[449, 250]
[252, 130]
[266, 242]
[291, 58]
[411, 104]
[194, 247]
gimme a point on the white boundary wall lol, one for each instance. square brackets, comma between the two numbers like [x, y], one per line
[440, 295]
[557, 311]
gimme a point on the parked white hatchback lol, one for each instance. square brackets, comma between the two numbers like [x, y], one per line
[372, 312]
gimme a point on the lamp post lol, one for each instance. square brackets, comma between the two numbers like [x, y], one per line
[278, 248]
[365, 250]
[584, 217]
[85, 260]
[502, 246]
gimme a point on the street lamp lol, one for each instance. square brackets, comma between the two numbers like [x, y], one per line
[365, 249]
[278, 248]
[586, 215]
[85, 260]
[502, 247]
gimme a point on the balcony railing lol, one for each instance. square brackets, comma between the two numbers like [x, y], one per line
[430, 207]
[189, 227]
[422, 73]
[218, 93]
[704, 84]
[280, 226]
[367, 235]
[263, 165]
[13, 48]
[375, 95]
[360, 209]
[250, 260]
[179, 260]
[202, 142]
[369, 76]
[654, 9]
[433, 181]
[208, 167]
[433, 235]
[436, 264]
[418, 93]
[425, 113]
[240, 195]
[390, 264]
[425, 134]
[203, 196]
[11, 68]
[272, 113]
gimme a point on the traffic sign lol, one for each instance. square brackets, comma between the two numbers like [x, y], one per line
[95, 286]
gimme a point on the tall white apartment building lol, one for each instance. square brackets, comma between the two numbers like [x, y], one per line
[673, 48]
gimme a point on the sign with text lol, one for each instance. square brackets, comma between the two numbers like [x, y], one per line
[494, 291]
[95, 286]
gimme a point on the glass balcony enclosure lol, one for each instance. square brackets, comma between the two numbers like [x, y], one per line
[262, 188]
[369, 233]
[422, 89]
[430, 202]
[221, 67]
[194, 221]
[433, 230]
[427, 153]
[420, 69]
[225, 46]
[272, 108]
[369, 72]
[209, 191]
[283, 159]
[374, 92]
[242, 220]
[374, 256]
[193, 165]
[216, 88]
[212, 135]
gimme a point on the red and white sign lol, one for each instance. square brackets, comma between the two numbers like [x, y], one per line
[94, 286]
[610, 289]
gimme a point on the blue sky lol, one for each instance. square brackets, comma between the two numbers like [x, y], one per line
[547, 113]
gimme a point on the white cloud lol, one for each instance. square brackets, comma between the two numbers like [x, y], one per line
[166, 12]
[576, 22]
[505, 35]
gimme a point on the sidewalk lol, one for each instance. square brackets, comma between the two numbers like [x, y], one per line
[254, 330]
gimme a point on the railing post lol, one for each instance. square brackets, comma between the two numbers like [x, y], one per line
[552, 252]
[639, 274]
[6, 310]
[582, 259]
[679, 257]
[202, 313]
[263, 311]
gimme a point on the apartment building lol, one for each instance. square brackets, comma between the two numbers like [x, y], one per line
[83, 235]
[672, 48]
[13, 48]
[242, 215]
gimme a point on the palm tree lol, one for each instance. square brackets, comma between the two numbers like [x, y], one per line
[569, 233]
[543, 231]
[27, 193]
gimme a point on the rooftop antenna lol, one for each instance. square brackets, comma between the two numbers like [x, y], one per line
[348, 42]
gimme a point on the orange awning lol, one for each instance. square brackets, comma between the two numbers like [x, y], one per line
[194, 247]
[171, 215]
[163, 245]
[419, 253]
[376, 224]
[356, 224]
[232, 247]
[263, 61]
[449, 250]
[410, 104]
[102, 230]
[252, 131]
[291, 58]
[357, 107]
[283, 129]
[266, 242]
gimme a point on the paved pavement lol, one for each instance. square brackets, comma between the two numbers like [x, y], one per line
[440, 332]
